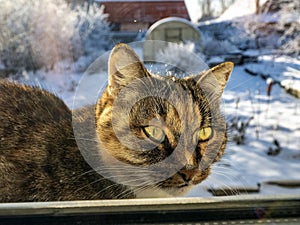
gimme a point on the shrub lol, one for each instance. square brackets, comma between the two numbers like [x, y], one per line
[237, 127]
[93, 29]
[215, 47]
[40, 33]
[185, 58]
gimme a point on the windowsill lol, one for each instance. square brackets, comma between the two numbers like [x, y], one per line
[166, 210]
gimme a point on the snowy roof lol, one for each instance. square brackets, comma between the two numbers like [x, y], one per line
[143, 11]
[172, 19]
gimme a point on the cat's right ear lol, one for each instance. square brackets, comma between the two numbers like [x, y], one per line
[123, 67]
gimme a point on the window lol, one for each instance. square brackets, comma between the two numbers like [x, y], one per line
[65, 48]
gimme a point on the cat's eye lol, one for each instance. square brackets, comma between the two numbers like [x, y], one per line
[154, 133]
[205, 133]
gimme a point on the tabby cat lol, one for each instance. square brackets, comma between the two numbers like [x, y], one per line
[158, 145]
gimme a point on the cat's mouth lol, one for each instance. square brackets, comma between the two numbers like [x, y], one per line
[184, 185]
[180, 190]
[184, 180]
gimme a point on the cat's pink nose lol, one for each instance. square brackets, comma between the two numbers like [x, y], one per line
[188, 174]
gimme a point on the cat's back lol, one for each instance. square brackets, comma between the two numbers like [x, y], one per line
[35, 131]
[33, 104]
[27, 112]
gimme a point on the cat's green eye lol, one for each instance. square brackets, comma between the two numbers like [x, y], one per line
[205, 133]
[154, 133]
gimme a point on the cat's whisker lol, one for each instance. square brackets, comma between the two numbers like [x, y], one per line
[240, 84]
[145, 186]
[126, 170]
[124, 193]
[88, 184]
[106, 188]
[142, 187]
[90, 140]
[83, 174]
[231, 179]
[225, 188]
[105, 178]
[109, 168]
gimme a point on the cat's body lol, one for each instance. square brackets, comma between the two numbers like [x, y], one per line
[40, 159]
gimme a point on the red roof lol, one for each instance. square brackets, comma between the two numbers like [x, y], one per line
[143, 11]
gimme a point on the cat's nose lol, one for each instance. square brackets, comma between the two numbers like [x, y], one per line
[188, 174]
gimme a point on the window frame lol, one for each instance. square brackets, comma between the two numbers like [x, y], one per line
[283, 209]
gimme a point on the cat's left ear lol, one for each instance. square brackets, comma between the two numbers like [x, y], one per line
[219, 74]
[123, 67]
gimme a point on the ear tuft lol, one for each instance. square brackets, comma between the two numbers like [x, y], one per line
[123, 67]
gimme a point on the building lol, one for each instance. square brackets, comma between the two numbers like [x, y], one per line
[136, 15]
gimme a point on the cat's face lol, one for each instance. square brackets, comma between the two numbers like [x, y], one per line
[169, 128]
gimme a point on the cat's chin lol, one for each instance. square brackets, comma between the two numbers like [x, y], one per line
[164, 192]
[179, 191]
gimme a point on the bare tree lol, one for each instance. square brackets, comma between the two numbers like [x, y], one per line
[206, 8]
[212, 8]
[257, 8]
[74, 3]
[223, 5]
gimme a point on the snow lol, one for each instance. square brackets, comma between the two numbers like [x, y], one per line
[193, 9]
[240, 8]
[291, 79]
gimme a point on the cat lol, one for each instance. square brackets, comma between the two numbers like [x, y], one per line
[40, 159]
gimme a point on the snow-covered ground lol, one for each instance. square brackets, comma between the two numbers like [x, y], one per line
[240, 8]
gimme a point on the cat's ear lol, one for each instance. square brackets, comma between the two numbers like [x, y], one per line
[219, 74]
[123, 67]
